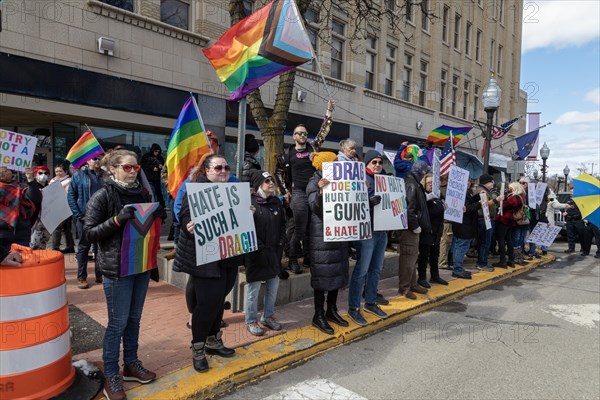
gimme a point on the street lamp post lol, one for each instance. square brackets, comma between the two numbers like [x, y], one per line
[566, 172]
[491, 102]
[544, 153]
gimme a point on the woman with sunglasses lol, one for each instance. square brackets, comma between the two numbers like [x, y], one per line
[105, 218]
[211, 282]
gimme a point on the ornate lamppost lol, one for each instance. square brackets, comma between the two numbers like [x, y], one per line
[491, 102]
[544, 153]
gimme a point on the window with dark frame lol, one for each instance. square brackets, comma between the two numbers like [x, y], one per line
[390, 66]
[406, 78]
[475, 101]
[370, 63]
[443, 84]
[337, 49]
[454, 97]
[465, 111]
[445, 22]
[423, 83]
[175, 12]
[126, 5]
[478, 46]
[457, 31]
[468, 31]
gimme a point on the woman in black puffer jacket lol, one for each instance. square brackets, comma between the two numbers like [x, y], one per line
[211, 282]
[329, 260]
[105, 218]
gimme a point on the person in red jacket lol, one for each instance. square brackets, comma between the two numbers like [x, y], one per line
[505, 222]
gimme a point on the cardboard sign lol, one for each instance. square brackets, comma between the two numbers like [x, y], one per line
[436, 187]
[531, 195]
[391, 213]
[379, 147]
[55, 206]
[458, 183]
[16, 150]
[502, 189]
[345, 202]
[223, 222]
[543, 234]
[390, 155]
[486, 210]
[540, 189]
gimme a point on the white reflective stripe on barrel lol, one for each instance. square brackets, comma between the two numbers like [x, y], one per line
[30, 358]
[14, 308]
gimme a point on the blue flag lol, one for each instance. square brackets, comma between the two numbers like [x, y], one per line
[525, 144]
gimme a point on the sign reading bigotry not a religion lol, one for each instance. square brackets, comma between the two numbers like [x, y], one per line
[223, 222]
[345, 202]
[16, 150]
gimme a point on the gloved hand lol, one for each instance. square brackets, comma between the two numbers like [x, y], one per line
[125, 214]
[373, 201]
[417, 231]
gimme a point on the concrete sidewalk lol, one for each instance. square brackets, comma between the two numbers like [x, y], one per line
[165, 340]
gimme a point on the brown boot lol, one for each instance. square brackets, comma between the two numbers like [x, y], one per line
[170, 255]
[408, 294]
[83, 284]
[113, 388]
[419, 289]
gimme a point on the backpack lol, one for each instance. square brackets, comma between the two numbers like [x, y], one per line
[522, 216]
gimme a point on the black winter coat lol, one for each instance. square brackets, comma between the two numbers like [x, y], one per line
[100, 227]
[185, 257]
[417, 211]
[468, 228]
[328, 260]
[269, 220]
[250, 163]
[149, 162]
[435, 208]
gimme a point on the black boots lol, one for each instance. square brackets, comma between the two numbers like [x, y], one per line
[214, 345]
[200, 363]
[333, 316]
[321, 323]
[294, 266]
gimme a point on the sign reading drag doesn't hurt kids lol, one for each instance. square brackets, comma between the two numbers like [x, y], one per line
[390, 214]
[16, 150]
[223, 222]
[345, 202]
[458, 182]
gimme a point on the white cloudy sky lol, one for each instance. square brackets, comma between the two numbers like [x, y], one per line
[561, 53]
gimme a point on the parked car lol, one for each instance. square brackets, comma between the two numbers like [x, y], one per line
[559, 219]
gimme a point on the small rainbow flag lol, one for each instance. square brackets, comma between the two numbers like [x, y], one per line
[441, 134]
[260, 47]
[86, 148]
[141, 240]
[187, 144]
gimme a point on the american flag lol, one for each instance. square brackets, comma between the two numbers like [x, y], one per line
[448, 157]
[503, 129]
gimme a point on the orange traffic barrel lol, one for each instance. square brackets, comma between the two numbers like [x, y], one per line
[35, 346]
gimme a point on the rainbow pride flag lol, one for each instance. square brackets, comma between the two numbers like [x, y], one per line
[187, 144]
[441, 134]
[260, 47]
[141, 240]
[86, 148]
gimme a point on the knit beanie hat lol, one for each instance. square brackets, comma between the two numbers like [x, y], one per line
[485, 178]
[419, 169]
[371, 154]
[250, 143]
[322, 157]
[257, 177]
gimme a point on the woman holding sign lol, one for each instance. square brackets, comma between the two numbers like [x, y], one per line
[212, 281]
[512, 206]
[329, 266]
[105, 221]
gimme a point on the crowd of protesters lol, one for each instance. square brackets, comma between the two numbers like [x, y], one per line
[99, 192]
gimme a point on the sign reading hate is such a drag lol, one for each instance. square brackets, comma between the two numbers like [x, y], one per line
[223, 221]
[345, 202]
[16, 150]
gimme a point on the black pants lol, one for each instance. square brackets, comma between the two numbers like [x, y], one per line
[505, 241]
[65, 227]
[596, 232]
[428, 255]
[210, 296]
[572, 236]
[320, 299]
[584, 231]
[190, 296]
[299, 207]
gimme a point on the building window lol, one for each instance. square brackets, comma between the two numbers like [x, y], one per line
[454, 97]
[248, 7]
[445, 20]
[410, 15]
[390, 5]
[475, 101]
[501, 11]
[478, 46]
[457, 31]
[390, 67]
[312, 29]
[443, 84]
[468, 39]
[370, 62]
[465, 100]
[124, 4]
[492, 50]
[425, 15]
[337, 49]
[175, 12]
[423, 84]
[499, 66]
[406, 78]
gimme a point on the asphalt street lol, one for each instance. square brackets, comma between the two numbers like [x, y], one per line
[535, 336]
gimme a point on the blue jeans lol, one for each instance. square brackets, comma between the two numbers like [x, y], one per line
[125, 301]
[370, 263]
[459, 251]
[485, 239]
[519, 234]
[252, 290]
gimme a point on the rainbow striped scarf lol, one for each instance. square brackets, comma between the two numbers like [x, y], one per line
[141, 240]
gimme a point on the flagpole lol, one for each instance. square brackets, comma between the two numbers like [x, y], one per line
[538, 128]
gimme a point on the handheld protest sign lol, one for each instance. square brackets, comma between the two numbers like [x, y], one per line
[17, 150]
[390, 213]
[458, 183]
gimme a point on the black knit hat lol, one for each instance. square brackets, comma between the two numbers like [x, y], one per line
[250, 143]
[257, 177]
[485, 178]
[371, 154]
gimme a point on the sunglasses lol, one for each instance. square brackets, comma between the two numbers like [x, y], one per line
[42, 173]
[377, 162]
[220, 168]
[95, 159]
[128, 168]
[301, 133]
[269, 180]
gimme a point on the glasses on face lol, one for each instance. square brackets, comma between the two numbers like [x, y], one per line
[128, 167]
[377, 162]
[301, 133]
[220, 168]
[95, 159]
[269, 181]
[42, 173]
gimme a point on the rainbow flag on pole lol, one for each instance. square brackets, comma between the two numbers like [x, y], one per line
[441, 134]
[260, 47]
[141, 240]
[86, 148]
[187, 144]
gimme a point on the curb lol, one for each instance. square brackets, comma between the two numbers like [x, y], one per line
[260, 359]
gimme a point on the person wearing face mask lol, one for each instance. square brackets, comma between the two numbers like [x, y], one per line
[265, 263]
[40, 235]
[61, 172]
